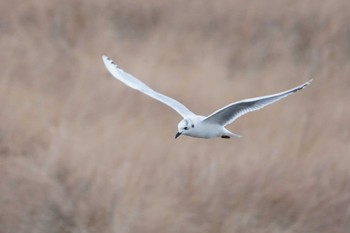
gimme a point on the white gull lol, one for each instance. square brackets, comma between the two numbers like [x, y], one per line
[201, 126]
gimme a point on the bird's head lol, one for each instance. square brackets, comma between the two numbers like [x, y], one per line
[184, 127]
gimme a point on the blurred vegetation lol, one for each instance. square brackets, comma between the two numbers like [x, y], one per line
[81, 152]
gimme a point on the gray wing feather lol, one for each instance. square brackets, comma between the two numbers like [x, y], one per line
[231, 112]
[136, 84]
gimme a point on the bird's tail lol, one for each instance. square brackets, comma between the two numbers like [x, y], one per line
[229, 134]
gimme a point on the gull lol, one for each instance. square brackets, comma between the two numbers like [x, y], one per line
[196, 125]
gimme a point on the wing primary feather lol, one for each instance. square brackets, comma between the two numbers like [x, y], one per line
[231, 112]
[136, 84]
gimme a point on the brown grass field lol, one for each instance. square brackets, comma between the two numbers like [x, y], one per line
[82, 153]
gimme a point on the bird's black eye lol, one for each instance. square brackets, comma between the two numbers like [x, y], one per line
[192, 125]
[186, 128]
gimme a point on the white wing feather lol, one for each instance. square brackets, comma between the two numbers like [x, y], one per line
[231, 112]
[134, 83]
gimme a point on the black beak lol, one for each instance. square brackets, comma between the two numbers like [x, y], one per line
[177, 134]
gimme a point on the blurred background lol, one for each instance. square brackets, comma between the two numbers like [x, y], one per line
[81, 152]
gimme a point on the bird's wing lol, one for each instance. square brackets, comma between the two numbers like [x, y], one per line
[231, 112]
[134, 83]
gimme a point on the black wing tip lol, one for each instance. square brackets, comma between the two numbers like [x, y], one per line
[104, 57]
[307, 83]
[303, 86]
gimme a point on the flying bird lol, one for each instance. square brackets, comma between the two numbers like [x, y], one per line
[196, 125]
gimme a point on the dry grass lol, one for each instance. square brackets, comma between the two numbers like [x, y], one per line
[76, 155]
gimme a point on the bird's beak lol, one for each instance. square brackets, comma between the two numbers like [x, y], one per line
[177, 134]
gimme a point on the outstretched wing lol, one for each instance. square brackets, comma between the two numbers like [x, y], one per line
[231, 112]
[134, 83]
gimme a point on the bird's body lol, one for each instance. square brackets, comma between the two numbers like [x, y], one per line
[201, 126]
[195, 126]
